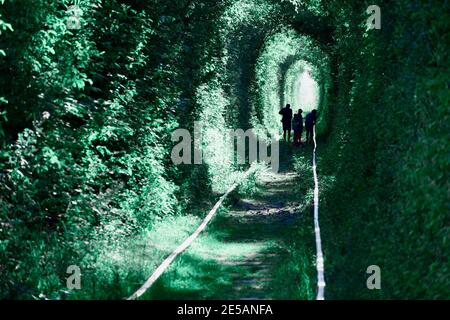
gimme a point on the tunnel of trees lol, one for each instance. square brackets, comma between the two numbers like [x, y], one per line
[87, 115]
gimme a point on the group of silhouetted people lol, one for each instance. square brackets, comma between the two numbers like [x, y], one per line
[295, 121]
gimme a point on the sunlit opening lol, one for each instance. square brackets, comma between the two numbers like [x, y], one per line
[307, 93]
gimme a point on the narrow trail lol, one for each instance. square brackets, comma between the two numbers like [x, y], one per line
[240, 254]
[261, 222]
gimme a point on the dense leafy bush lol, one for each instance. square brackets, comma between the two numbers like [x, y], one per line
[388, 152]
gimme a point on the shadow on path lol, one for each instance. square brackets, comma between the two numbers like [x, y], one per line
[240, 254]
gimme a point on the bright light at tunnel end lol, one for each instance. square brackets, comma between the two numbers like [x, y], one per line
[307, 94]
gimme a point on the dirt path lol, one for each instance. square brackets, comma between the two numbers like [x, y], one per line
[240, 254]
[261, 221]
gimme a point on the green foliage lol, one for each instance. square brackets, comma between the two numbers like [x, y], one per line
[92, 160]
[389, 153]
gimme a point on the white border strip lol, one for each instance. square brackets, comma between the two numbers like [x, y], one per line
[186, 243]
[319, 254]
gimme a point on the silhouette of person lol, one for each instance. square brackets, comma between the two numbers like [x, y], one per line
[310, 122]
[287, 121]
[298, 127]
